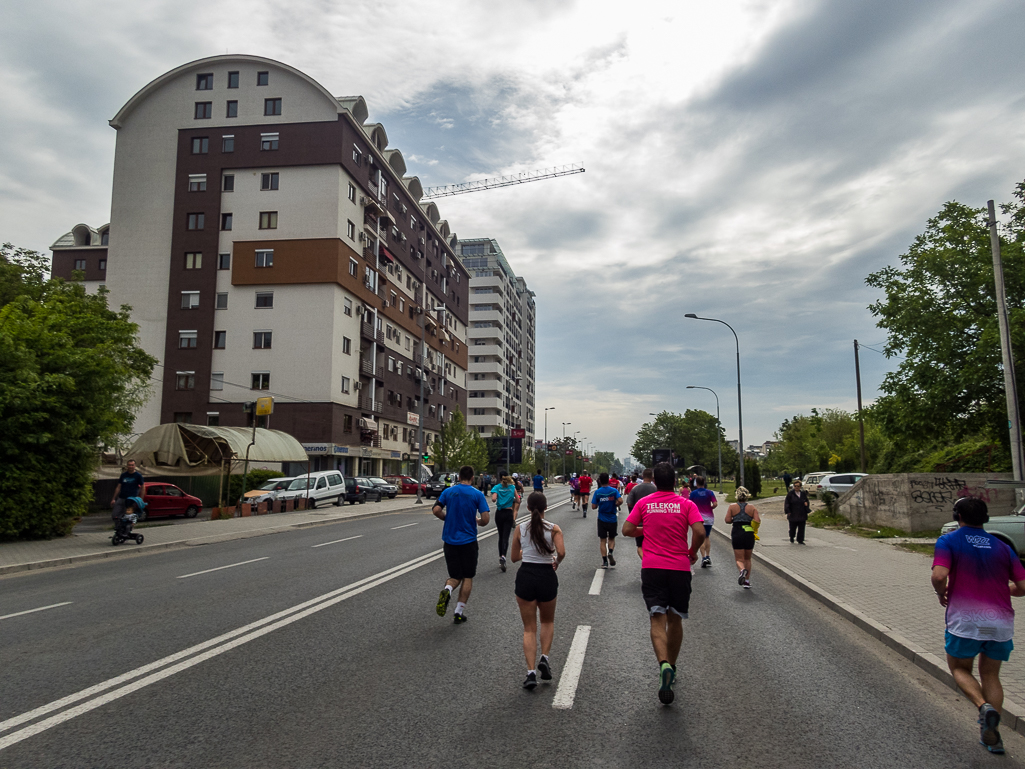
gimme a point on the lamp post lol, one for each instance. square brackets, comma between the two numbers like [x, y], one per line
[564, 448]
[718, 431]
[740, 411]
[575, 450]
[547, 469]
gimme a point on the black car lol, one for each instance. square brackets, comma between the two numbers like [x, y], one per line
[353, 493]
[389, 490]
[439, 482]
[370, 491]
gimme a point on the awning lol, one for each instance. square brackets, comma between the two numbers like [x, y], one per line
[181, 449]
[386, 254]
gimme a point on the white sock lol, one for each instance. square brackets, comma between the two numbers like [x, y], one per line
[459, 607]
[544, 657]
[531, 672]
[449, 589]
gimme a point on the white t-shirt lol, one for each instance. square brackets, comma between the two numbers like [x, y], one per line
[530, 553]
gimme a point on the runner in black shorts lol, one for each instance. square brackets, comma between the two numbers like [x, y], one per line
[637, 493]
[744, 518]
[463, 509]
[606, 501]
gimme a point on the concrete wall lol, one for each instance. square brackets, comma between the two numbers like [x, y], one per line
[920, 501]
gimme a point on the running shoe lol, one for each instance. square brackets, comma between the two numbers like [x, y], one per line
[742, 578]
[501, 562]
[443, 599]
[997, 749]
[706, 562]
[544, 669]
[666, 677]
[989, 720]
[531, 681]
[459, 619]
[612, 559]
[747, 584]
[605, 563]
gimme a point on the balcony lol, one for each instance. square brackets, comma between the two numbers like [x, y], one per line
[485, 420]
[367, 331]
[372, 439]
[367, 367]
[490, 367]
[366, 404]
[484, 403]
[369, 255]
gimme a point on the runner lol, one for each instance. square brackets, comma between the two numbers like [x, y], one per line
[458, 506]
[742, 516]
[631, 484]
[574, 491]
[606, 501]
[539, 480]
[705, 499]
[585, 490]
[663, 519]
[637, 493]
[539, 544]
[504, 496]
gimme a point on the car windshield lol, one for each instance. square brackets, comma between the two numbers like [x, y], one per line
[379, 481]
[276, 484]
[302, 483]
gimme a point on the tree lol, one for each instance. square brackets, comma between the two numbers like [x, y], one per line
[71, 380]
[692, 435]
[457, 445]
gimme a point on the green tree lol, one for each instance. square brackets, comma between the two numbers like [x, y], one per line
[71, 380]
[692, 435]
[752, 476]
[457, 445]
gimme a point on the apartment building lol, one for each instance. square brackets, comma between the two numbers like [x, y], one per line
[501, 334]
[270, 242]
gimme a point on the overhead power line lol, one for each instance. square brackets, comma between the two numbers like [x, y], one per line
[479, 185]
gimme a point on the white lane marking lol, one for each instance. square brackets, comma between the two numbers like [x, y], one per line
[599, 577]
[41, 608]
[335, 542]
[229, 566]
[567, 690]
[406, 526]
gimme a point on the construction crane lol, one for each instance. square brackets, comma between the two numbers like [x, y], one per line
[448, 190]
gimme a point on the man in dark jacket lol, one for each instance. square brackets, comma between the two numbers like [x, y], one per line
[787, 478]
[796, 506]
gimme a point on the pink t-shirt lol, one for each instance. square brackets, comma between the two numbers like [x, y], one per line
[685, 492]
[665, 518]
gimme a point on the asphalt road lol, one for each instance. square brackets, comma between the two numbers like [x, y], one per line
[366, 674]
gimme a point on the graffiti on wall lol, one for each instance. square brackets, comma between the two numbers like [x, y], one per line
[945, 489]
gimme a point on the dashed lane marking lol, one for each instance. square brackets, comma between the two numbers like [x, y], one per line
[229, 566]
[335, 542]
[406, 526]
[567, 690]
[31, 611]
[596, 583]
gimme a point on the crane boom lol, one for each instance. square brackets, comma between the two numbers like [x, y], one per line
[462, 188]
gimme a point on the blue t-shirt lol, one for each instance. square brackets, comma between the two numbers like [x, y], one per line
[703, 498]
[461, 503]
[506, 496]
[131, 485]
[539, 482]
[604, 499]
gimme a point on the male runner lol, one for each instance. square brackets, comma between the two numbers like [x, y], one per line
[585, 490]
[664, 518]
[706, 501]
[458, 506]
[606, 501]
[574, 491]
[539, 481]
[637, 493]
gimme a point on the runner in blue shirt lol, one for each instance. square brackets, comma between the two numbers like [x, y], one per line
[706, 501]
[458, 506]
[606, 501]
[539, 481]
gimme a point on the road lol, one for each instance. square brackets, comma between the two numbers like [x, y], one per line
[321, 647]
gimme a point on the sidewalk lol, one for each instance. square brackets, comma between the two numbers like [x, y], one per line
[882, 589]
[42, 554]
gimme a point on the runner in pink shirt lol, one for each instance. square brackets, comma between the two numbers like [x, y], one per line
[663, 519]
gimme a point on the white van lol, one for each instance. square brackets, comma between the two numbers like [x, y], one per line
[328, 485]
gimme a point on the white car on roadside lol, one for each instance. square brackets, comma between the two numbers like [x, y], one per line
[838, 483]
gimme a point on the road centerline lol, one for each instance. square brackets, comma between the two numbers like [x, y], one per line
[335, 542]
[229, 566]
[596, 583]
[32, 611]
[567, 690]
[405, 526]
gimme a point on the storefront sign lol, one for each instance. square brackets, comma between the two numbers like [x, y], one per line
[317, 448]
[412, 418]
[518, 432]
[341, 449]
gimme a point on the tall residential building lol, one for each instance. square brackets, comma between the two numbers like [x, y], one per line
[270, 243]
[501, 322]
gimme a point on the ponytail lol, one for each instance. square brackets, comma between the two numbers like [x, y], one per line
[537, 503]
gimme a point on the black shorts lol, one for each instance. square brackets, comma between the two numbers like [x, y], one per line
[537, 582]
[607, 529]
[666, 590]
[461, 560]
[742, 540]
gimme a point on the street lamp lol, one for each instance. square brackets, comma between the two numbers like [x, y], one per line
[718, 431]
[564, 448]
[547, 469]
[575, 450]
[740, 411]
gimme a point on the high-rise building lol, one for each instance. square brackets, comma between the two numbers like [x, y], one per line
[500, 373]
[271, 243]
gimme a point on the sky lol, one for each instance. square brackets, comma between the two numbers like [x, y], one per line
[746, 160]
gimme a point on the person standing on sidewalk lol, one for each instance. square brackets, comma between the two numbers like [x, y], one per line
[637, 493]
[606, 501]
[129, 484]
[796, 506]
[742, 516]
[706, 501]
[663, 519]
[972, 574]
[504, 496]
[539, 544]
[458, 506]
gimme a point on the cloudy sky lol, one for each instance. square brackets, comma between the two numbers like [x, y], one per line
[748, 160]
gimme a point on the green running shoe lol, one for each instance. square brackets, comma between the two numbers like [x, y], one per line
[443, 599]
[666, 677]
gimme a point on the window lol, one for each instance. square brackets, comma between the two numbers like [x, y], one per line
[261, 340]
[268, 141]
[357, 156]
[353, 266]
[264, 257]
[196, 221]
[345, 384]
[103, 264]
[185, 380]
[197, 182]
[264, 299]
[204, 82]
[268, 181]
[347, 306]
[221, 302]
[228, 183]
[228, 143]
[402, 304]
[268, 220]
[200, 145]
[183, 417]
[224, 261]
[263, 78]
[225, 221]
[190, 300]
[220, 338]
[204, 110]
[193, 261]
[352, 193]
[347, 423]
[233, 80]
[391, 364]
[232, 109]
[272, 106]
[80, 264]
[217, 380]
[261, 380]
[350, 230]
[346, 345]
[213, 418]
[187, 339]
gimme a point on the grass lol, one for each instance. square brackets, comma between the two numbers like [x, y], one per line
[823, 519]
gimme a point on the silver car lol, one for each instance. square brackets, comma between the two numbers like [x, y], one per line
[1007, 528]
[838, 483]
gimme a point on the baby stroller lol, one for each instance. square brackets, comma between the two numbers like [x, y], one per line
[123, 525]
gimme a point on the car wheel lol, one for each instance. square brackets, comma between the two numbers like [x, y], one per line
[338, 502]
[311, 504]
[363, 499]
[192, 511]
[143, 516]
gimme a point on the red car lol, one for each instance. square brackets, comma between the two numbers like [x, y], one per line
[406, 484]
[168, 499]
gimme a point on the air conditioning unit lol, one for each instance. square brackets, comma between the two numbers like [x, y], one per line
[422, 242]
[358, 385]
[363, 237]
[402, 237]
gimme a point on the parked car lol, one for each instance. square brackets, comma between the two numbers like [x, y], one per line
[353, 492]
[839, 482]
[1008, 528]
[389, 490]
[439, 482]
[370, 491]
[324, 486]
[269, 491]
[405, 484]
[167, 499]
[811, 482]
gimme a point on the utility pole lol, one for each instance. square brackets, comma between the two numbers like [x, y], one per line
[1010, 381]
[564, 448]
[861, 422]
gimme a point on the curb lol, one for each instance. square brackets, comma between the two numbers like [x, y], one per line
[181, 543]
[1013, 715]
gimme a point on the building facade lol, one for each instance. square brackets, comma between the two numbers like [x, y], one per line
[501, 335]
[270, 243]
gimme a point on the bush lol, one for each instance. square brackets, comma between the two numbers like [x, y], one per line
[753, 477]
[254, 480]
